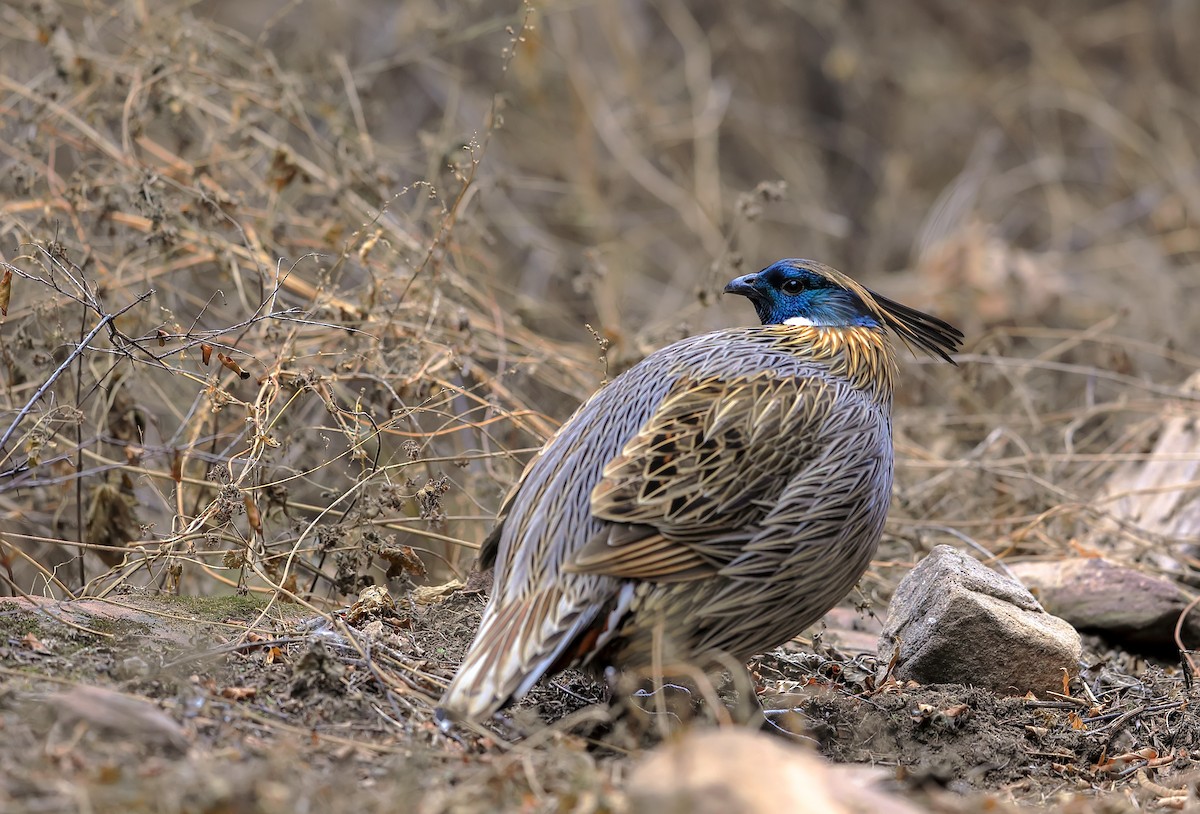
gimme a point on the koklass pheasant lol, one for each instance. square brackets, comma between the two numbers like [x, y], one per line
[717, 498]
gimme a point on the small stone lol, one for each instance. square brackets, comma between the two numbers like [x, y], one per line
[958, 622]
[131, 667]
[135, 718]
[1120, 602]
[736, 770]
[849, 631]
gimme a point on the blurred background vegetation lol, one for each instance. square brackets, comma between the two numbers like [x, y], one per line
[341, 267]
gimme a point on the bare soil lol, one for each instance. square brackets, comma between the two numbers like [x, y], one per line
[139, 703]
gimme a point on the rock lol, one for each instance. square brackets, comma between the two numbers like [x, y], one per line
[738, 771]
[120, 715]
[849, 631]
[1121, 602]
[959, 622]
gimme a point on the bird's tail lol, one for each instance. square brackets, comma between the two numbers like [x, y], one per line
[519, 640]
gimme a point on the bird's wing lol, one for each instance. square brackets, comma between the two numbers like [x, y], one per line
[489, 549]
[707, 463]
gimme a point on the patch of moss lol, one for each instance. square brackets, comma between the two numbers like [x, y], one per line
[17, 623]
[215, 608]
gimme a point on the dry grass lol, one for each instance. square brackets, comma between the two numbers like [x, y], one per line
[232, 355]
[292, 294]
[399, 252]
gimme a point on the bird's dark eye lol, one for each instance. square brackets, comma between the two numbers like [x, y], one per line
[791, 287]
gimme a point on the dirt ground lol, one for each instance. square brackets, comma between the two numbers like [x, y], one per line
[148, 704]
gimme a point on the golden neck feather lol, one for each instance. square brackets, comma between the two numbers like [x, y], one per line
[861, 355]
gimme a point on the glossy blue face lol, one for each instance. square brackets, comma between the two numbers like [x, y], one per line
[788, 292]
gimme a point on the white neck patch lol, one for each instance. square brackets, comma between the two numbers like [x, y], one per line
[800, 322]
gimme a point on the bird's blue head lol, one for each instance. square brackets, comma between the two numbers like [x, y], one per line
[800, 292]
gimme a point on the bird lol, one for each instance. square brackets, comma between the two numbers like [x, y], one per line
[711, 502]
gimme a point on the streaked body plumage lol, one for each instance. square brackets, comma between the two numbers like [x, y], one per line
[717, 498]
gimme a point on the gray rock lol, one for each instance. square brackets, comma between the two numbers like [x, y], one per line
[957, 621]
[1121, 602]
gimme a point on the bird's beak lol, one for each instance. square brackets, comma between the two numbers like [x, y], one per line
[743, 285]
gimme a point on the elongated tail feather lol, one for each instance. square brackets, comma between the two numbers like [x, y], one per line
[524, 640]
[517, 643]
